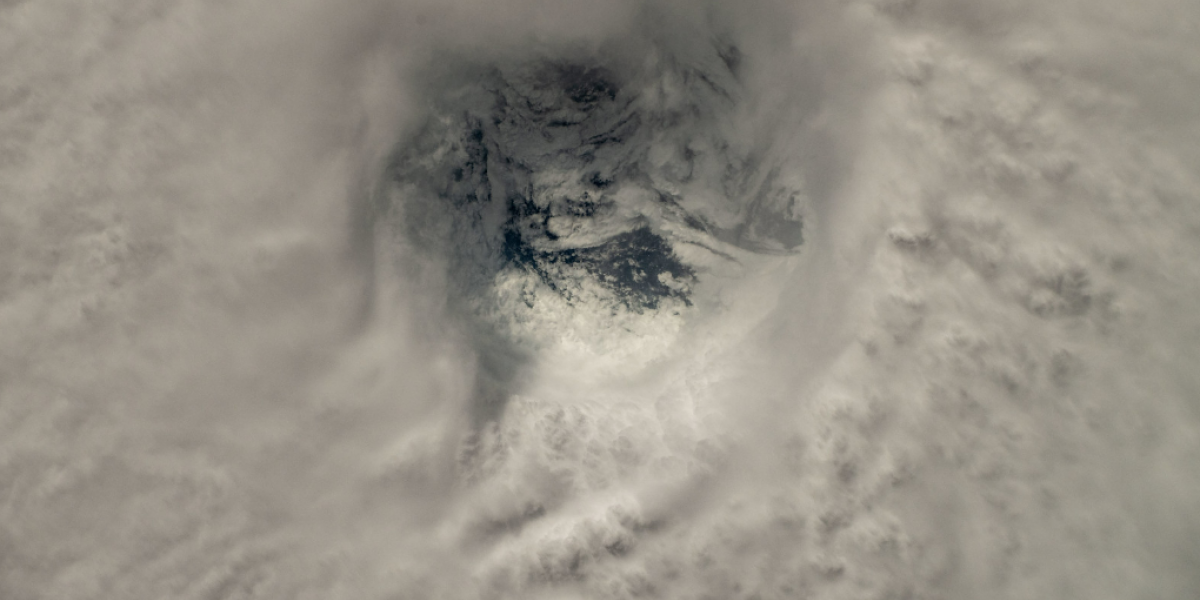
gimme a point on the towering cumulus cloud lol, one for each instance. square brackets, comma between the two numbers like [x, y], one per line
[604, 300]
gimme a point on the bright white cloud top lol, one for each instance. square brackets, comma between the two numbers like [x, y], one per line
[599, 300]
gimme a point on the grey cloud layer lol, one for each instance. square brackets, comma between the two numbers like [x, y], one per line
[224, 375]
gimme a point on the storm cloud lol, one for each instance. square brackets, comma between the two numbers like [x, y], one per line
[628, 299]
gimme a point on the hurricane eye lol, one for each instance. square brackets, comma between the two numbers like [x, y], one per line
[535, 178]
[588, 85]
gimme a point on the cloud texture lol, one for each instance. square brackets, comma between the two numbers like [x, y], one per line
[249, 352]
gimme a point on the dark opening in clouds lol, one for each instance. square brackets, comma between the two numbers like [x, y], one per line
[582, 174]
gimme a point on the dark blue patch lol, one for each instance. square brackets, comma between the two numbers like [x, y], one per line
[629, 265]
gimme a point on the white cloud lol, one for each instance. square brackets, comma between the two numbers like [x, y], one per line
[225, 372]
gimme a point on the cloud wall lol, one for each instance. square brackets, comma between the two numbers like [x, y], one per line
[232, 368]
